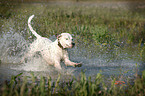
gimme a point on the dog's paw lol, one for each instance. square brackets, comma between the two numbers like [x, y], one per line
[78, 65]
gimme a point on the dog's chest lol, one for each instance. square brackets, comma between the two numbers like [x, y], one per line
[60, 53]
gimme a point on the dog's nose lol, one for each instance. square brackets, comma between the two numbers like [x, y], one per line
[73, 44]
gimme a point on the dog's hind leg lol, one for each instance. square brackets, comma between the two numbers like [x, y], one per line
[31, 51]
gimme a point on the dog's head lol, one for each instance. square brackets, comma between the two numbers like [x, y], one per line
[65, 40]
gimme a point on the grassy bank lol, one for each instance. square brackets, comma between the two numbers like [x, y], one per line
[31, 86]
[93, 23]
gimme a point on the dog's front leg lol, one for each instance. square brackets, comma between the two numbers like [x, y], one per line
[70, 63]
[57, 65]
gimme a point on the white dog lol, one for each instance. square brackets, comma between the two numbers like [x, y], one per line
[52, 52]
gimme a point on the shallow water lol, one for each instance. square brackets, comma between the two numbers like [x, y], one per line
[109, 62]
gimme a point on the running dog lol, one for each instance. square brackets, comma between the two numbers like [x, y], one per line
[52, 52]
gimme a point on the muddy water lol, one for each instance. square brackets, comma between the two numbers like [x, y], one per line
[109, 62]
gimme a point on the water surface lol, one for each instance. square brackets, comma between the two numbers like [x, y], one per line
[109, 62]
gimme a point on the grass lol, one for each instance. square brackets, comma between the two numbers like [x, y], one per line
[92, 24]
[31, 86]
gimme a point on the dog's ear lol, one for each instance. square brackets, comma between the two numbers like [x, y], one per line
[58, 36]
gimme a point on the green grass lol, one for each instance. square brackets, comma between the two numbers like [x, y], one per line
[93, 24]
[31, 86]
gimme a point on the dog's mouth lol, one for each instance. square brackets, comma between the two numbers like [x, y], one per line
[70, 46]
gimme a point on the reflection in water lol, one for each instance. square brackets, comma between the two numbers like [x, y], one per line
[95, 60]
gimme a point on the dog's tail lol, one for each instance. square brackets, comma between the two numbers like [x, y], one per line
[31, 29]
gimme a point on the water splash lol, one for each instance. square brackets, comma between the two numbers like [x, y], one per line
[13, 46]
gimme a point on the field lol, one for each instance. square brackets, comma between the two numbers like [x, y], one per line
[98, 23]
[101, 24]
